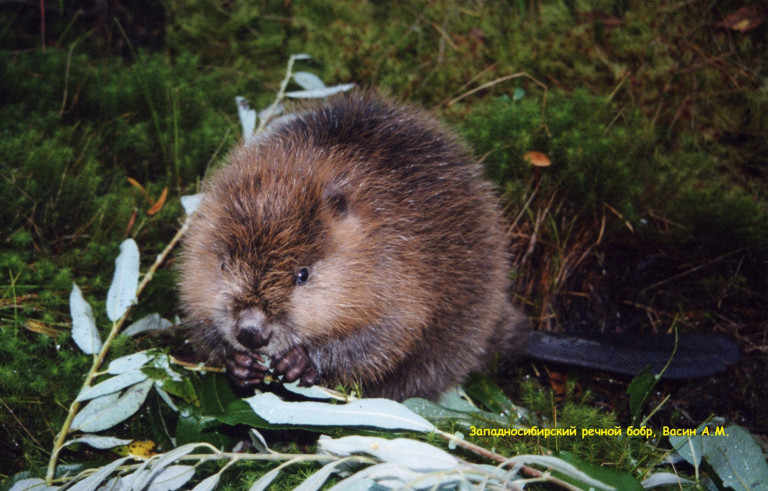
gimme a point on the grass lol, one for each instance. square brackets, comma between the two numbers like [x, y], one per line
[654, 207]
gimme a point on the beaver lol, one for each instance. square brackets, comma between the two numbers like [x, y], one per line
[358, 242]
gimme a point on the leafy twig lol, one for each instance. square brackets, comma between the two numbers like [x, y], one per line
[99, 359]
[270, 111]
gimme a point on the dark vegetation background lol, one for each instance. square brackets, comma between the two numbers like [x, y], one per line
[652, 214]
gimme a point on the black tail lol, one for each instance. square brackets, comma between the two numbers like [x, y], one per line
[696, 355]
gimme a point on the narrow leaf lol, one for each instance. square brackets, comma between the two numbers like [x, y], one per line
[308, 81]
[484, 390]
[247, 117]
[129, 362]
[113, 384]
[93, 408]
[393, 476]
[173, 456]
[258, 441]
[312, 392]
[123, 408]
[356, 483]
[265, 480]
[165, 397]
[316, 480]
[100, 442]
[377, 413]
[437, 414]
[639, 390]
[150, 468]
[84, 331]
[664, 479]
[159, 203]
[171, 478]
[91, 482]
[208, 484]
[319, 93]
[122, 291]
[137, 480]
[151, 322]
[133, 182]
[411, 454]
[31, 484]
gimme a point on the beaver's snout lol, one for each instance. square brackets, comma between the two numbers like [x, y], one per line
[251, 329]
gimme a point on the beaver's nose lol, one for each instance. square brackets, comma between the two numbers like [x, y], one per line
[251, 328]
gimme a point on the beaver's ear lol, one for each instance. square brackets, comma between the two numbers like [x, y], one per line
[337, 200]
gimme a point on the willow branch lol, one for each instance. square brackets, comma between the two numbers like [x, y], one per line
[99, 359]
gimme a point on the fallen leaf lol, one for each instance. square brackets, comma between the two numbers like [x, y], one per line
[159, 203]
[745, 19]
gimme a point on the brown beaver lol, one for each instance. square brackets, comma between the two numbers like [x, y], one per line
[356, 242]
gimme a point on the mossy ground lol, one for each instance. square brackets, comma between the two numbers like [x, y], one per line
[655, 117]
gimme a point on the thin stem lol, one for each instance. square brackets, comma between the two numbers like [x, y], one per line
[270, 111]
[498, 458]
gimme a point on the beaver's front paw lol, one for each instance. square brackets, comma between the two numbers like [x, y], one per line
[295, 364]
[245, 369]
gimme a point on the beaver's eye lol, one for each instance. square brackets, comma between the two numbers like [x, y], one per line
[302, 276]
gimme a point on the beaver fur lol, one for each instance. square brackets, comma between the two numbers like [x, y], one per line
[356, 242]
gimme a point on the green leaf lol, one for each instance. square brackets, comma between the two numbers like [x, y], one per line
[485, 391]
[215, 393]
[737, 459]
[436, 413]
[616, 479]
[639, 391]
[439, 415]
[239, 412]
[193, 426]
[181, 388]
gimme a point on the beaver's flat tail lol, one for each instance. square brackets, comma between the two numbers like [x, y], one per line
[696, 355]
